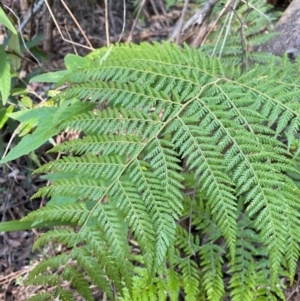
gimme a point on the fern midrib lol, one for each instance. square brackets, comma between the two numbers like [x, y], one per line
[124, 119]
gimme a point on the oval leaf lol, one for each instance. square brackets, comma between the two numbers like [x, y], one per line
[5, 81]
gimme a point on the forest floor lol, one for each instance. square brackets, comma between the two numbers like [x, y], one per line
[17, 184]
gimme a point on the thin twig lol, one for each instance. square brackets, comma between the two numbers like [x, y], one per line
[227, 29]
[124, 20]
[30, 13]
[12, 137]
[219, 37]
[227, 5]
[60, 32]
[186, 3]
[201, 15]
[69, 36]
[77, 24]
[243, 40]
[106, 24]
[21, 35]
[135, 21]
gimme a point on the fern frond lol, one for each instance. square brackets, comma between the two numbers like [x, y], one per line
[247, 26]
[158, 207]
[243, 282]
[65, 295]
[75, 213]
[78, 280]
[126, 198]
[292, 249]
[173, 284]
[45, 280]
[89, 166]
[44, 266]
[106, 145]
[112, 121]
[115, 233]
[190, 279]
[186, 241]
[164, 160]
[97, 245]
[211, 262]
[82, 188]
[206, 158]
[88, 263]
[67, 237]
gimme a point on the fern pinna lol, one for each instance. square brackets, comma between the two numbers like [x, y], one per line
[188, 159]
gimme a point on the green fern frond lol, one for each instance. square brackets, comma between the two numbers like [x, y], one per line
[78, 280]
[240, 32]
[89, 166]
[97, 245]
[190, 279]
[88, 263]
[112, 121]
[205, 157]
[105, 145]
[164, 160]
[211, 262]
[75, 213]
[83, 188]
[126, 198]
[67, 237]
[64, 295]
[187, 242]
[115, 233]
[158, 207]
[243, 281]
[44, 266]
[168, 110]
[292, 249]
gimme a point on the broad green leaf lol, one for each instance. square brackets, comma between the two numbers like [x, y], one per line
[73, 62]
[6, 22]
[71, 107]
[27, 101]
[40, 117]
[4, 115]
[46, 119]
[50, 77]
[34, 42]
[26, 225]
[14, 50]
[33, 116]
[33, 141]
[5, 80]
